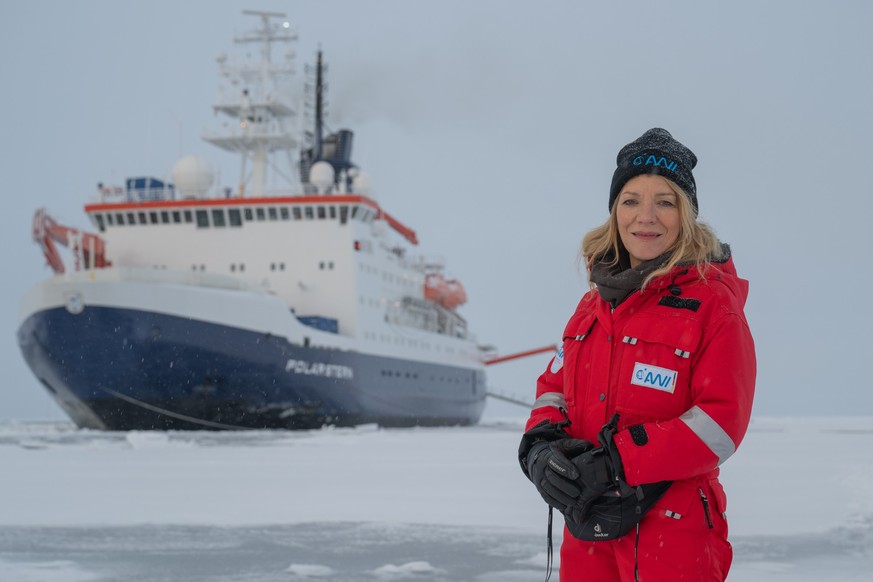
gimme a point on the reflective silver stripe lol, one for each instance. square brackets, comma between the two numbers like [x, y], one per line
[682, 354]
[555, 399]
[579, 338]
[630, 340]
[710, 433]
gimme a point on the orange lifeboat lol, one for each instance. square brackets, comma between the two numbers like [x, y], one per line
[449, 294]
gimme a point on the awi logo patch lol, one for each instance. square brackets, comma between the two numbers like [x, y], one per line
[558, 361]
[654, 377]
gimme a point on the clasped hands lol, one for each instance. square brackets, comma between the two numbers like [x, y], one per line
[570, 474]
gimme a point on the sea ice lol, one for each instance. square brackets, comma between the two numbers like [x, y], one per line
[310, 570]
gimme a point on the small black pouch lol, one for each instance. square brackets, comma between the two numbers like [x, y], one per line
[611, 516]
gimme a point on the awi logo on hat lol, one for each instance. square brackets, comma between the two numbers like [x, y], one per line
[651, 160]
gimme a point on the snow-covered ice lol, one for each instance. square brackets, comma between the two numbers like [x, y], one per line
[371, 504]
[310, 571]
[403, 571]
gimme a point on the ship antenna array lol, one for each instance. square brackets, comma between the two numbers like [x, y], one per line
[264, 13]
[315, 112]
[267, 33]
[319, 104]
[259, 101]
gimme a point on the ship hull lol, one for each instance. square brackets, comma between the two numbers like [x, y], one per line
[116, 368]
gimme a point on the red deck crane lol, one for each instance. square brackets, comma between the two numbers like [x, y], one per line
[88, 249]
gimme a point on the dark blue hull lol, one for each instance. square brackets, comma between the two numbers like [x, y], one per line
[121, 369]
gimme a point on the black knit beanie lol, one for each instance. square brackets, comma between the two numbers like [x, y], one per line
[655, 152]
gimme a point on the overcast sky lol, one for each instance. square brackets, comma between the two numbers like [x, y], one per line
[491, 127]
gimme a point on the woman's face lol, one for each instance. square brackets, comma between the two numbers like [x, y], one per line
[648, 217]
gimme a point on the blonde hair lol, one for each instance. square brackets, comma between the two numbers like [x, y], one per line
[696, 244]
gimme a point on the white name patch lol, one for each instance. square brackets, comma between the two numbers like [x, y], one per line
[558, 361]
[654, 377]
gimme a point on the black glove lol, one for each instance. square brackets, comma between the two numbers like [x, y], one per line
[543, 432]
[548, 458]
[587, 475]
[582, 480]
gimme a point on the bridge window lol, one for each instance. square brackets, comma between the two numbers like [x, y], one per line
[131, 218]
[344, 214]
[177, 217]
[142, 218]
[322, 212]
[202, 219]
[109, 219]
[119, 219]
[333, 212]
[153, 217]
[248, 214]
[165, 217]
[99, 219]
[272, 214]
[295, 212]
[218, 217]
[283, 213]
[188, 217]
[259, 214]
[307, 212]
[234, 216]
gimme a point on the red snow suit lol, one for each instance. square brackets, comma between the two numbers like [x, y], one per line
[677, 362]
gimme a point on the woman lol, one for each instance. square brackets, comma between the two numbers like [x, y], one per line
[652, 388]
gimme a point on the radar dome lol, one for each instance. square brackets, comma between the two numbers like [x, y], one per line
[321, 175]
[361, 183]
[193, 176]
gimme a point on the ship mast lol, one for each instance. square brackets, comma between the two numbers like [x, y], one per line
[319, 105]
[258, 100]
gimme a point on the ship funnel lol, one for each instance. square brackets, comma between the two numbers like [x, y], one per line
[337, 149]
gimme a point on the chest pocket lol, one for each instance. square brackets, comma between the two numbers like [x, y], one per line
[576, 368]
[654, 375]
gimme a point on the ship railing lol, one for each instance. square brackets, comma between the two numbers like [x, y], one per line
[428, 316]
[150, 194]
[286, 192]
[426, 264]
[116, 194]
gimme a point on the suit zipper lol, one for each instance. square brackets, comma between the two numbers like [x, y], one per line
[705, 500]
